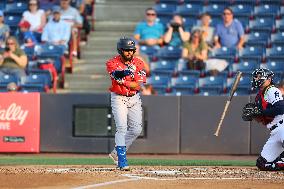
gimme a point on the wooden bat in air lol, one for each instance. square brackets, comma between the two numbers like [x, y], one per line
[232, 92]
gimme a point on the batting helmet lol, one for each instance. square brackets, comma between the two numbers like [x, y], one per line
[259, 76]
[125, 43]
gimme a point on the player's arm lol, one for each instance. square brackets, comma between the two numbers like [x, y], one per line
[274, 97]
[276, 109]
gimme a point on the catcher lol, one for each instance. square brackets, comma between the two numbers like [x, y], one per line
[268, 109]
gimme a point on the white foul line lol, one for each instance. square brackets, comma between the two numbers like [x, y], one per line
[106, 183]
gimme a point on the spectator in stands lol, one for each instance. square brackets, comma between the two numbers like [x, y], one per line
[230, 33]
[56, 31]
[13, 60]
[4, 30]
[149, 32]
[176, 34]
[206, 29]
[12, 87]
[147, 89]
[47, 5]
[26, 37]
[195, 51]
[144, 58]
[36, 17]
[72, 16]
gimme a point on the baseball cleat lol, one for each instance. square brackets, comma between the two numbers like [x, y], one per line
[114, 158]
[125, 168]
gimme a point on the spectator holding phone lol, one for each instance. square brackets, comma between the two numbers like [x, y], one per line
[176, 35]
[13, 60]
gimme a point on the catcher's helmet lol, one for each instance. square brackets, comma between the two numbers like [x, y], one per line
[125, 43]
[259, 76]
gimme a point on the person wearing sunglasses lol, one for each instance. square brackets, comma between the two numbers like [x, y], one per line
[230, 33]
[149, 32]
[13, 60]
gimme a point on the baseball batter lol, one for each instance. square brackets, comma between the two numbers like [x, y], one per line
[268, 109]
[126, 73]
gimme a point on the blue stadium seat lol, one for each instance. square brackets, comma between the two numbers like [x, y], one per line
[169, 53]
[189, 22]
[189, 9]
[200, 2]
[223, 53]
[2, 5]
[182, 68]
[277, 38]
[43, 73]
[242, 10]
[175, 2]
[276, 53]
[279, 24]
[252, 52]
[164, 19]
[276, 67]
[163, 67]
[262, 24]
[184, 85]
[149, 50]
[16, 7]
[271, 2]
[159, 83]
[214, 9]
[165, 9]
[30, 51]
[267, 10]
[258, 38]
[5, 80]
[222, 2]
[33, 83]
[251, 2]
[244, 87]
[46, 51]
[215, 20]
[211, 85]
[245, 67]
[244, 20]
[12, 20]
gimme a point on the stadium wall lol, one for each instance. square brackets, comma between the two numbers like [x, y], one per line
[82, 123]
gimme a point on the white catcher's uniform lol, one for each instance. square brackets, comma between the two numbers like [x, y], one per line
[274, 145]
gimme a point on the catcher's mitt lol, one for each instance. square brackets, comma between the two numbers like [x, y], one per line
[251, 111]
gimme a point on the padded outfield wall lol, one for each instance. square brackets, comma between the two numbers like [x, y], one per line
[171, 124]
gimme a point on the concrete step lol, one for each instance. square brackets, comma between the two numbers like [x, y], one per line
[90, 68]
[121, 10]
[115, 34]
[117, 26]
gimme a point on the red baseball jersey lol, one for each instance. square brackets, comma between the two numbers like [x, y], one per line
[122, 87]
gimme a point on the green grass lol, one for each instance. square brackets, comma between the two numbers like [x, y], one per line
[106, 161]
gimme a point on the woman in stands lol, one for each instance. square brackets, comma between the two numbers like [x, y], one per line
[195, 51]
[13, 60]
[36, 17]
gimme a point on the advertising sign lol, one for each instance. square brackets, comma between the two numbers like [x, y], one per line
[19, 122]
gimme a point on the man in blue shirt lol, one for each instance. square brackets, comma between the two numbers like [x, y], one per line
[149, 32]
[230, 33]
[56, 31]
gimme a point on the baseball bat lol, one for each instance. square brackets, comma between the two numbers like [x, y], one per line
[232, 92]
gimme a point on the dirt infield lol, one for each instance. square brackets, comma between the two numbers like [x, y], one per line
[156, 177]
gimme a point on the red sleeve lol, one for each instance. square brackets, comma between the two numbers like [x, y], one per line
[140, 74]
[111, 66]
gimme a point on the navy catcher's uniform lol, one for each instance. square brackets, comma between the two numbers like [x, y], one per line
[269, 110]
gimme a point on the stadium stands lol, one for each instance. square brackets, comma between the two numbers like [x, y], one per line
[40, 77]
[264, 25]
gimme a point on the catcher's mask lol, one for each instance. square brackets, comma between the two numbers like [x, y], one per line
[259, 76]
[125, 43]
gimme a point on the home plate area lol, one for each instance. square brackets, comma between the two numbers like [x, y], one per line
[83, 177]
